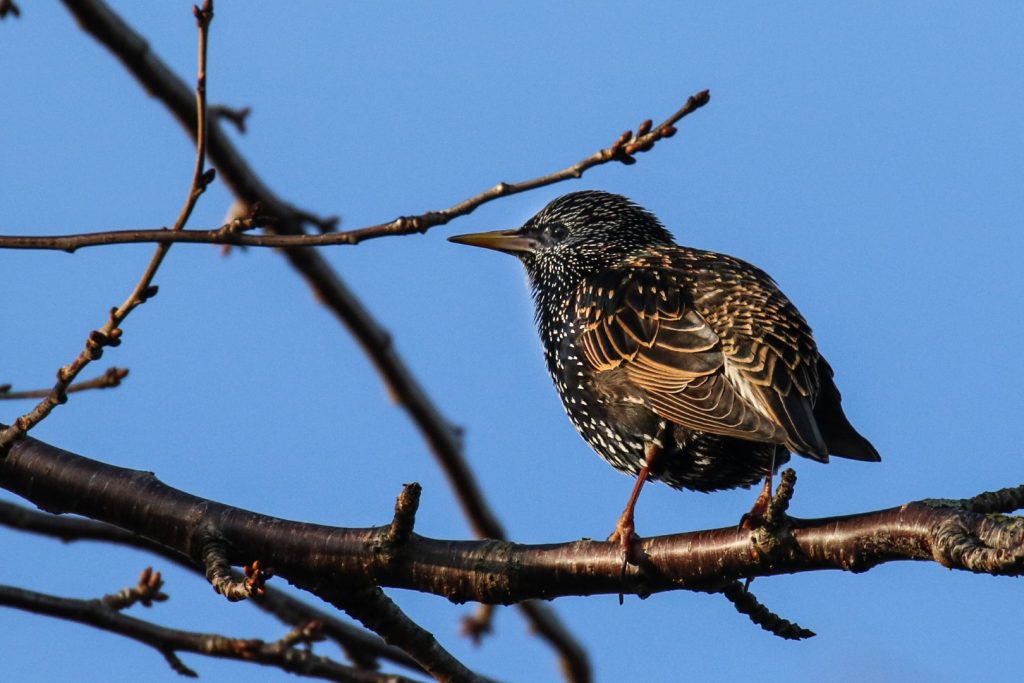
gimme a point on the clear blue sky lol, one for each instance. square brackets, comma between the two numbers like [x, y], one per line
[870, 156]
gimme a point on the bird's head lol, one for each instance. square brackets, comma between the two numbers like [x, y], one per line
[575, 235]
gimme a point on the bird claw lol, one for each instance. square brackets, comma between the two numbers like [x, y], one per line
[631, 544]
[755, 519]
[632, 548]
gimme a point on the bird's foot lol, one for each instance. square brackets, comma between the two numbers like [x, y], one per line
[631, 544]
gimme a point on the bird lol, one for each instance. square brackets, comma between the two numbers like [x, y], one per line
[674, 364]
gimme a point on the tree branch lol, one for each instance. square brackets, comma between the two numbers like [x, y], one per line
[108, 380]
[168, 641]
[622, 150]
[376, 611]
[110, 333]
[502, 572]
[362, 648]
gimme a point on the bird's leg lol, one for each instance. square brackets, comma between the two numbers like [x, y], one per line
[625, 529]
[755, 517]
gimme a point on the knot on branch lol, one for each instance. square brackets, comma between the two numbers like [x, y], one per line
[390, 543]
[990, 544]
[406, 505]
[407, 224]
[213, 553]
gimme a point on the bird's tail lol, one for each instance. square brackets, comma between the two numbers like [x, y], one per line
[840, 436]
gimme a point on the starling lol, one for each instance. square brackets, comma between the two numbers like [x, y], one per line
[674, 364]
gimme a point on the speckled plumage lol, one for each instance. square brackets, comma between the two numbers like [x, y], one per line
[698, 352]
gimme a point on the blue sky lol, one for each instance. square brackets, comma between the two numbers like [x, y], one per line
[869, 156]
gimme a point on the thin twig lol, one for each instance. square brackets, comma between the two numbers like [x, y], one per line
[146, 591]
[622, 150]
[236, 117]
[168, 642]
[478, 624]
[108, 380]
[9, 8]
[110, 333]
[745, 603]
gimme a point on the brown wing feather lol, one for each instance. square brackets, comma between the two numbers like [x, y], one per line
[637, 319]
[770, 355]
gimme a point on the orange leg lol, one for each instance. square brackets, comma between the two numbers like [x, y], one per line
[625, 529]
[755, 517]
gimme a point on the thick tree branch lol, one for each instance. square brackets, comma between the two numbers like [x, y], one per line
[362, 648]
[282, 654]
[502, 572]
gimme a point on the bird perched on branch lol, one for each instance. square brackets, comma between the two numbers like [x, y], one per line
[674, 364]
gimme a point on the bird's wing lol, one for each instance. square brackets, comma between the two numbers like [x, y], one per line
[639, 319]
[770, 354]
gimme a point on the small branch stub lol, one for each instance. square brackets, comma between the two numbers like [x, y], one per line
[146, 591]
[405, 515]
[218, 572]
[745, 603]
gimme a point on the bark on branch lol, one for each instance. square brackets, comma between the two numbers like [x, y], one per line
[362, 648]
[952, 533]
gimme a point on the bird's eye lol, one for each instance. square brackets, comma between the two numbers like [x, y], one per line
[558, 231]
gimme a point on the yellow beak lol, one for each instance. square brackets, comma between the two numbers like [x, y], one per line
[508, 241]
